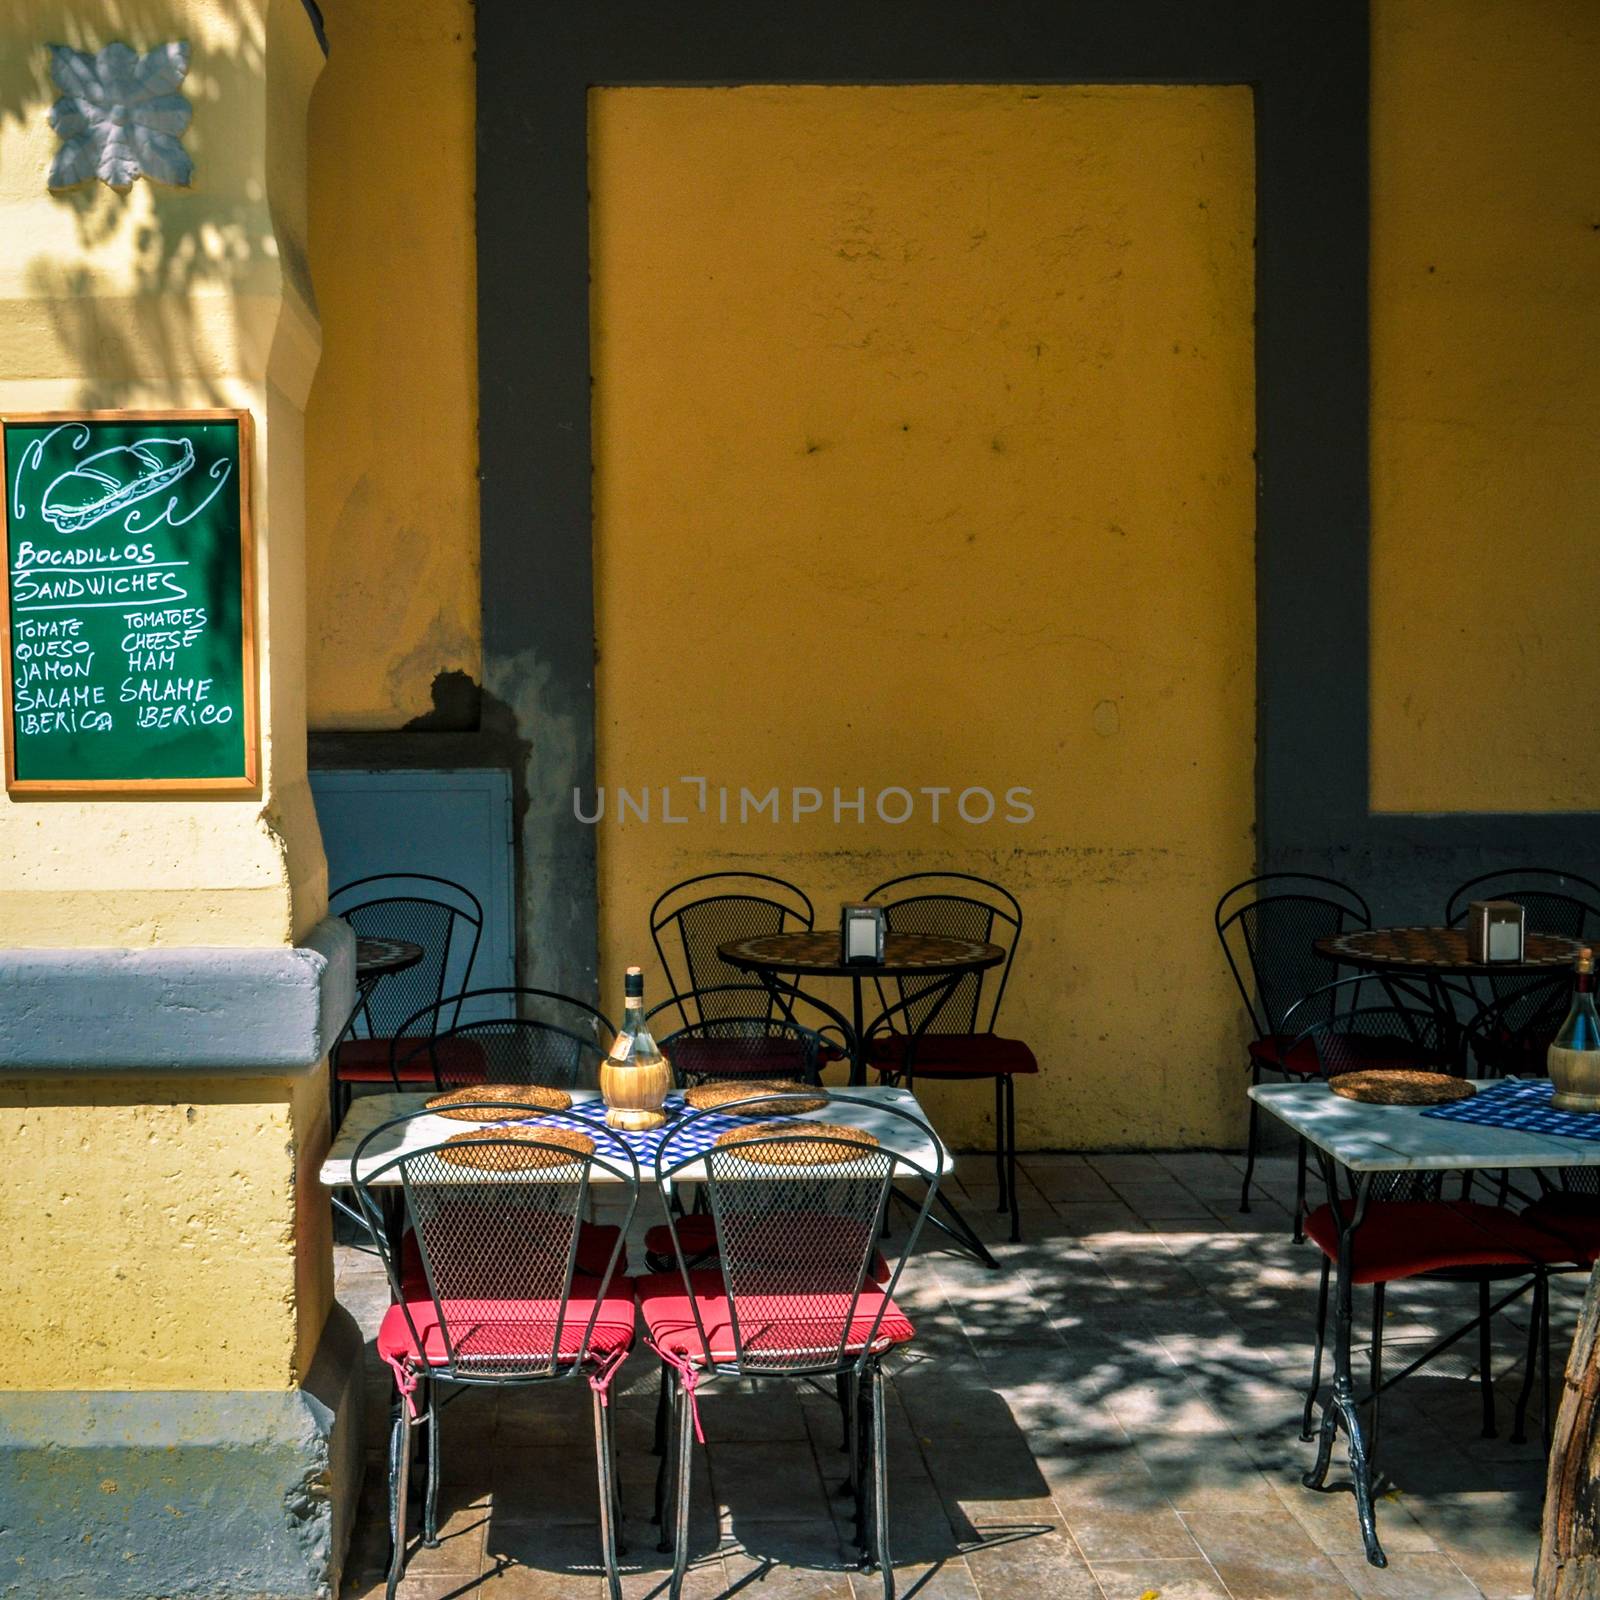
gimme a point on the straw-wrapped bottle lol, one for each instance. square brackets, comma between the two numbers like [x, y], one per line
[635, 1076]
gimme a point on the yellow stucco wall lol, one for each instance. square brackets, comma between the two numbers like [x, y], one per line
[923, 423]
[162, 1245]
[392, 508]
[1485, 404]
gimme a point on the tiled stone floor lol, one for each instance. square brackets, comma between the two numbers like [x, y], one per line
[1114, 1415]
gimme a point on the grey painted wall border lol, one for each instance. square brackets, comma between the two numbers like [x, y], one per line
[226, 1495]
[206, 1011]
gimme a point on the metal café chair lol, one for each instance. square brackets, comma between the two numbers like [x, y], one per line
[931, 1028]
[737, 1040]
[688, 922]
[498, 1296]
[549, 1039]
[798, 1211]
[1404, 1227]
[446, 919]
[1267, 926]
[1338, 1028]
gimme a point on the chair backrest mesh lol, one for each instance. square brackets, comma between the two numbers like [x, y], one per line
[796, 1239]
[796, 1252]
[742, 1047]
[932, 1004]
[1371, 1037]
[686, 935]
[499, 1255]
[448, 933]
[1268, 943]
[552, 1039]
[513, 1050]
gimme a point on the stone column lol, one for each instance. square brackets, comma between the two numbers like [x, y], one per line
[179, 1399]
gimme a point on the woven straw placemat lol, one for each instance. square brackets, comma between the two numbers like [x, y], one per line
[708, 1096]
[1401, 1087]
[822, 1150]
[509, 1154]
[499, 1094]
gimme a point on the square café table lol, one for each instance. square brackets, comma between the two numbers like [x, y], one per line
[370, 1112]
[1368, 1141]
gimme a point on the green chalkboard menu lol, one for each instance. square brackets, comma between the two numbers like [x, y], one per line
[127, 618]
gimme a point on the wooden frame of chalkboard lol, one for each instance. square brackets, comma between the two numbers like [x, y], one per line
[239, 755]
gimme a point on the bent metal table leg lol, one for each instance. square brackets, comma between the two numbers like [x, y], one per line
[1340, 1408]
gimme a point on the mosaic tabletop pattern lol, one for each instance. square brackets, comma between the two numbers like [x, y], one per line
[819, 953]
[374, 957]
[1442, 950]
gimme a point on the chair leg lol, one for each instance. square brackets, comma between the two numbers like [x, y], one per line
[608, 1503]
[1376, 1371]
[1299, 1191]
[1486, 1361]
[430, 1503]
[1544, 1371]
[399, 1488]
[664, 1470]
[1011, 1159]
[1316, 1355]
[1250, 1144]
[880, 1484]
[861, 1453]
[851, 1394]
[1541, 1309]
[999, 1144]
[680, 1535]
[660, 1445]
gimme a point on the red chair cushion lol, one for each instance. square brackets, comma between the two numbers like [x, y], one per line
[1355, 1053]
[952, 1055]
[596, 1241]
[697, 1234]
[507, 1330]
[806, 1327]
[771, 1056]
[367, 1061]
[1405, 1238]
[1572, 1218]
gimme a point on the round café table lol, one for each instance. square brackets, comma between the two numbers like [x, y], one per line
[781, 960]
[1441, 952]
[1430, 957]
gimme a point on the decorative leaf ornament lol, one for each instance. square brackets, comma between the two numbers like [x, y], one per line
[120, 116]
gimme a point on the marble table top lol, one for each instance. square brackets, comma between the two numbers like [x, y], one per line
[1369, 1138]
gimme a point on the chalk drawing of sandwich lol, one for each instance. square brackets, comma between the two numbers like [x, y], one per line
[111, 480]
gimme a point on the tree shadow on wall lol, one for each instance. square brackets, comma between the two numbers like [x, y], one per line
[122, 303]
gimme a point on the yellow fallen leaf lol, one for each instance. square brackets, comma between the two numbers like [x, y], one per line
[1151, 1594]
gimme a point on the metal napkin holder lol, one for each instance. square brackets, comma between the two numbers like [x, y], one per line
[1496, 931]
[862, 928]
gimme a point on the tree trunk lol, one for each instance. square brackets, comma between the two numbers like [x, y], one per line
[1569, 1543]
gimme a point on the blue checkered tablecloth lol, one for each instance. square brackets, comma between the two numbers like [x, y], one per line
[646, 1145]
[1520, 1103]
